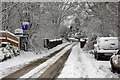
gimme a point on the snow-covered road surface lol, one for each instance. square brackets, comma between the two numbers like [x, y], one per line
[81, 64]
[11, 65]
[39, 70]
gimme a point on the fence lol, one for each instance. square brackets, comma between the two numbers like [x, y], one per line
[8, 37]
[51, 43]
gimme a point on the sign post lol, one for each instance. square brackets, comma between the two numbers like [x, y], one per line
[19, 33]
[24, 38]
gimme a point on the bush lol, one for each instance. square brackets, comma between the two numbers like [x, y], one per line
[10, 51]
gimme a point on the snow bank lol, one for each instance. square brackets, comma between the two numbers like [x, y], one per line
[81, 64]
[72, 66]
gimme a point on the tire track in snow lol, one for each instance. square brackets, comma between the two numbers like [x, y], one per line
[39, 70]
[33, 64]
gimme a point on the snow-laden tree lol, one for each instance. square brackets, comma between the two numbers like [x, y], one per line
[119, 19]
[0, 15]
[99, 17]
[47, 18]
[44, 18]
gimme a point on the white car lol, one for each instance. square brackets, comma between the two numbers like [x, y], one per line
[105, 46]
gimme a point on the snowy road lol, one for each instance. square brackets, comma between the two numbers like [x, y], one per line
[81, 64]
[42, 68]
[24, 63]
[38, 67]
[32, 65]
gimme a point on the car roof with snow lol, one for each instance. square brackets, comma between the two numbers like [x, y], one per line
[102, 38]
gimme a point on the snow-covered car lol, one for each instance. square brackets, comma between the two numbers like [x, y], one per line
[115, 62]
[105, 46]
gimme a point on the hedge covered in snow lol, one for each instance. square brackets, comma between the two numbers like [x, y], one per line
[8, 52]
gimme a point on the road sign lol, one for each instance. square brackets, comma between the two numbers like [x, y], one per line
[19, 32]
[25, 26]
